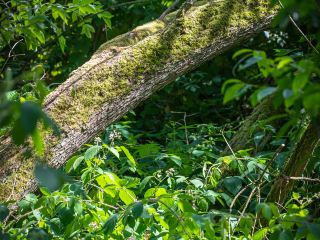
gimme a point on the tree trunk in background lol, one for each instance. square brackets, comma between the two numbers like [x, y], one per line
[243, 138]
[125, 71]
[296, 164]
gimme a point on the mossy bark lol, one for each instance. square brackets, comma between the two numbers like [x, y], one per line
[243, 138]
[127, 70]
[296, 164]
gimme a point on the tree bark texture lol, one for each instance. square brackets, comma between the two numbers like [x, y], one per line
[296, 164]
[243, 138]
[124, 72]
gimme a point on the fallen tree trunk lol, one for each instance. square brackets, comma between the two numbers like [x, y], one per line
[125, 71]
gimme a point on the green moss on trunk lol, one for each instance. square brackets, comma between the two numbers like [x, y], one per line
[191, 32]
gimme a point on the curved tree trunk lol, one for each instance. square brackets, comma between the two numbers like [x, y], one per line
[125, 71]
[296, 164]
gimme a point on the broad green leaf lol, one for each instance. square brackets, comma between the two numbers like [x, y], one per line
[203, 204]
[241, 52]
[303, 75]
[197, 153]
[108, 179]
[38, 142]
[69, 165]
[266, 211]
[62, 43]
[45, 191]
[91, 152]
[50, 178]
[260, 234]
[30, 115]
[127, 196]
[249, 62]
[175, 159]
[226, 159]
[233, 184]
[155, 192]
[37, 233]
[87, 9]
[87, 30]
[160, 219]
[110, 224]
[4, 212]
[114, 151]
[197, 183]
[77, 162]
[137, 209]
[309, 102]
[78, 208]
[232, 92]
[285, 235]
[185, 206]
[39, 35]
[228, 82]
[57, 11]
[132, 162]
[284, 62]
[106, 16]
[144, 182]
[211, 195]
[264, 92]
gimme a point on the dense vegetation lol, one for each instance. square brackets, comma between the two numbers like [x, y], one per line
[204, 158]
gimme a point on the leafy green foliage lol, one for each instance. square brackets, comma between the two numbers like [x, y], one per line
[108, 197]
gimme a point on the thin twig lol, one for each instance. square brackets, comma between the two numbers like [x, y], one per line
[301, 32]
[228, 144]
[9, 55]
[21, 217]
[238, 195]
[258, 183]
[169, 9]
[303, 179]
[276, 154]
